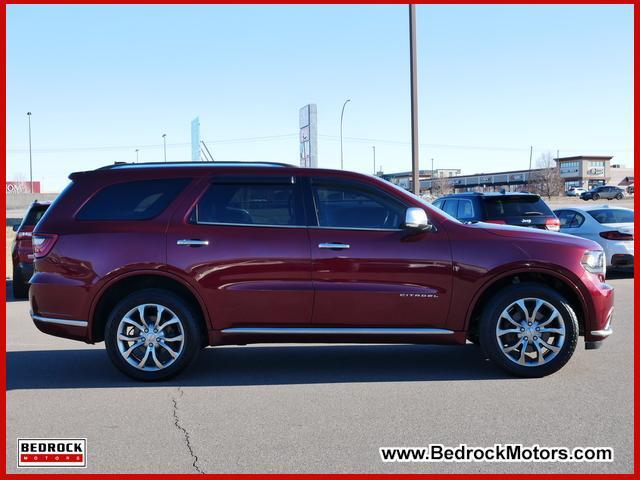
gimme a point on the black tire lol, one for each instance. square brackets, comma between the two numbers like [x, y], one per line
[506, 297]
[189, 321]
[18, 285]
[595, 196]
[619, 196]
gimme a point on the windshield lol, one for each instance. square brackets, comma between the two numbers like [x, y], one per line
[515, 206]
[612, 215]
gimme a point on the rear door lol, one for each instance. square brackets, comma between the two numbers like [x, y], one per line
[367, 270]
[245, 244]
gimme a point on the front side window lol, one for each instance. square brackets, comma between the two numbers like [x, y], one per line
[451, 207]
[570, 218]
[465, 210]
[267, 204]
[351, 206]
[139, 200]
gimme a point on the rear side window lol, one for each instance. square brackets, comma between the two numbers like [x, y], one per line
[612, 215]
[35, 214]
[267, 204]
[515, 206]
[139, 200]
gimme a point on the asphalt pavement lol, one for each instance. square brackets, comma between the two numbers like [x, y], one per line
[317, 408]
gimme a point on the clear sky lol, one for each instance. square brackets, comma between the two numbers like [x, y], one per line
[102, 81]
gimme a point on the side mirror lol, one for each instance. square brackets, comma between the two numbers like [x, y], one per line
[416, 219]
[15, 228]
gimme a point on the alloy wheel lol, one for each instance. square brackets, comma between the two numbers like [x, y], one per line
[150, 337]
[530, 332]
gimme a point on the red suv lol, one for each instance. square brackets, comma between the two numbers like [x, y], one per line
[22, 250]
[161, 260]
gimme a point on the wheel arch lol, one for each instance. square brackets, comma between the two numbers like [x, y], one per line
[551, 278]
[116, 288]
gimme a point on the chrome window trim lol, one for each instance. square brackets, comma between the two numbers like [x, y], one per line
[248, 225]
[336, 331]
[59, 321]
[356, 228]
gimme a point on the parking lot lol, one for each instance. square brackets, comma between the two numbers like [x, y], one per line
[319, 408]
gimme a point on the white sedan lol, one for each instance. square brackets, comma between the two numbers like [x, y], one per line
[611, 227]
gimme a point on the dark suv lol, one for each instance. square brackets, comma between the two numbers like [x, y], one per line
[607, 192]
[22, 250]
[521, 209]
[161, 260]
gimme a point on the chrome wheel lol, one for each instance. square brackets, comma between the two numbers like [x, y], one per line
[530, 332]
[150, 337]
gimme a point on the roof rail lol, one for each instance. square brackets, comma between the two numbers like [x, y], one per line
[124, 165]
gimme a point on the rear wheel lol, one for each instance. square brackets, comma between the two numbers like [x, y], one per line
[152, 334]
[18, 285]
[529, 330]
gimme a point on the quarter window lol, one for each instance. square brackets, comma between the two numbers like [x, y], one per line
[348, 206]
[140, 200]
[267, 204]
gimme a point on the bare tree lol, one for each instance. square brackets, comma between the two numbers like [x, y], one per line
[441, 186]
[546, 180]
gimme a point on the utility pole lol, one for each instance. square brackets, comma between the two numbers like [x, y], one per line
[432, 177]
[30, 157]
[374, 159]
[164, 140]
[413, 64]
[530, 157]
[341, 118]
[137, 158]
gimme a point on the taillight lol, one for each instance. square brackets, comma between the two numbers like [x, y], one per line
[552, 224]
[43, 243]
[23, 235]
[500, 222]
[616, 235]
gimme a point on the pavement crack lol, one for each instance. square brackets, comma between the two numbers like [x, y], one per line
[185, 433]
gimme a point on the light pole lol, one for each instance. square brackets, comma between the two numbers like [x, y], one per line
[374, 159]
[341, 118]
[137, 158]
[30, 158]
[413, 64]
[164, 140]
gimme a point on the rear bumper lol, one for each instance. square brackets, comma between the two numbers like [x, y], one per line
[61, 327]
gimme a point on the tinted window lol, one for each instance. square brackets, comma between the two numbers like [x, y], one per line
[612, 215]
[249, 204]
[515, 206]
[451, 207]
[570, 218]
[140, 200]
[465, 210]
[438, 203]
[35, 214]
[348, 206]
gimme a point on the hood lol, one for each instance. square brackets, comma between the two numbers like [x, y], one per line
[535, 234]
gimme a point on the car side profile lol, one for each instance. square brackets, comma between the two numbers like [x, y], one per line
[22, 249]
[605, 192]
[161, 260]
[512, 208]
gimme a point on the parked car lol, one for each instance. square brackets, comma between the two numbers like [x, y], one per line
[521, 209]
[160, 260]
[575, 192]
[611, 227]
[22, 250]
[606, 192]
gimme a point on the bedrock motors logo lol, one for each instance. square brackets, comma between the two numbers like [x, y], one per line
[52, 452]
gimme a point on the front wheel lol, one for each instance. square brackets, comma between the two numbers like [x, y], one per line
[152, 334]
[595, 196]
[619, 196]
[529, 330]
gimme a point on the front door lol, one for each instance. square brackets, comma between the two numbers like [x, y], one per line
[245, 244]
[367, 269]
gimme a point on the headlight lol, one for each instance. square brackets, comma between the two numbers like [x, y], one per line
[593, 261]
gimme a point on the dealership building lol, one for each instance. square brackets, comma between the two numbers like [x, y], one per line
[585, 171]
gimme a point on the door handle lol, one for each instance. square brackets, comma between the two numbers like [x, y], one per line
[334, 246]
[192, 242]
